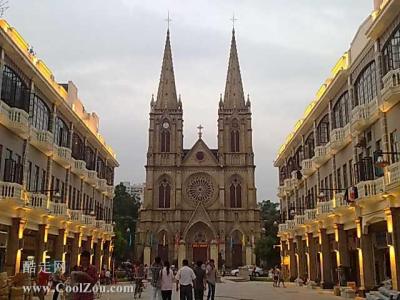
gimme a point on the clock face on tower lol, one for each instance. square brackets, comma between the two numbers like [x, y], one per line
[165, 125]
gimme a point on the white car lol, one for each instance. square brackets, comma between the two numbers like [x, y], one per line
[258, 271]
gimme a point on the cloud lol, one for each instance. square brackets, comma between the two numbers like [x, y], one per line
[112, 50]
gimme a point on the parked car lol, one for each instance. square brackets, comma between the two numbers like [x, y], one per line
[258, 271]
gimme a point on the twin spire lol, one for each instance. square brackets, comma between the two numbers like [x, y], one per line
[233, 97]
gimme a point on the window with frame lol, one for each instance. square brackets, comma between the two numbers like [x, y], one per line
[345, 179]
[90, 158]
[309, 146]
[394, 146]
[235, 137]
[78, 147]
[39, 114]
[323, 131]
[235, 194]
[366, 85]
[14, 91]
[391, 52]
[341, 111]
[61, 133]
[165, 140]
[164, 194]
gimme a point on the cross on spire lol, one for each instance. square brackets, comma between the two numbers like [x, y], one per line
[168, 20]
[233, 21]
[200, 132]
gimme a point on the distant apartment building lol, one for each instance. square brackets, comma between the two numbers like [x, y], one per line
[339, 170]
[135, 189]
[56, 171]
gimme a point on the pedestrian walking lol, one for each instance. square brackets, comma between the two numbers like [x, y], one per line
[200, 282]
[184, 281]
[167, 278]
[211, 275]
[155, 269]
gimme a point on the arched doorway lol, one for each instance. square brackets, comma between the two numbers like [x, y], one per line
[198, 240]
[162, 250]
[236, 249]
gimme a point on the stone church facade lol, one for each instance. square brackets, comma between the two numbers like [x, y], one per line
[199, 203]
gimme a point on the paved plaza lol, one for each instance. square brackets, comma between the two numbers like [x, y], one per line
[229, 290]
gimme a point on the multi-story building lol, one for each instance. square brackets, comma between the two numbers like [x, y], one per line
[135, 190]
[56, 172]
[339, 170]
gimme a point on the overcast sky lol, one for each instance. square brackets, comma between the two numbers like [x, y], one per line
[112, 50]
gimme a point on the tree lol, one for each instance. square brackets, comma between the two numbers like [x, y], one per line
[265, 248]
[125, 213]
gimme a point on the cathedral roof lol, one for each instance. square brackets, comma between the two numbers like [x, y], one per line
[234, 96]
[166, 96]
[210, 156]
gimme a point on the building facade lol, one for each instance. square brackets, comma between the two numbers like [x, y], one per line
[56, 172]
[199, 203]
[339, 170]
[135, 189]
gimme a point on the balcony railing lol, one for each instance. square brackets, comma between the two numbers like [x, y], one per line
[79, 168]
[322, 154]
[110, 191]
[340, 137]
[290, 224]
[62, 155]
[299, 220]
[393, 175]
[102, 185]
[108, 228]
[43, 140]
[287, 185]
[391, 88]
[364, 115]
[37, 200]
[282, 227]
[325, 207]
[75, 215]
[15, 119]
[310, 214]
[100, 224]
[92, 177]
[339, 201]
[58, 209]
[11, 190]
[281, 191]
[370, 188]
[89, 220]
[307, 167]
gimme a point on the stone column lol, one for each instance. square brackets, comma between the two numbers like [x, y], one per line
[13, 255]
[312, 257]
[181, 252]
[367, 261]
[342, 248]
[147, 255]
[292, 260]
[393, 228]
[301, 254]
[214, 252]
[88, 244]
[327, 281]
[98, 254]
[249, 255]
[106, 254]
[41, 244]
[76, 249]
[59, 245]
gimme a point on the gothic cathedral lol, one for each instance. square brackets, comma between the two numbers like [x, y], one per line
[199, 203]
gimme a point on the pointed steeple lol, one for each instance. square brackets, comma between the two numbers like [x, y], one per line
[166, 96]
[234, 96]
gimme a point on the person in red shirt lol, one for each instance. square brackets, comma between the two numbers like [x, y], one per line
[42, 282]
[86, 277]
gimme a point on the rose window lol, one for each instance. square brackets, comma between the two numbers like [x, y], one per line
[200, 188]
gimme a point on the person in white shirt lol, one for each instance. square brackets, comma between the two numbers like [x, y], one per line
[184, 281]
[167, 277]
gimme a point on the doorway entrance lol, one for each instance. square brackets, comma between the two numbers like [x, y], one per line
[200, 252]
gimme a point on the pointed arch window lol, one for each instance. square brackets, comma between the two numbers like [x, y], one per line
[366, 85]
[14, 91]
[235, 194]
[309, 147]
[39, 115]
[78, 148]
[235, 143]
[165, 137]
[164, 194]
[61, 133]
[341, 111]
[391, 52]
